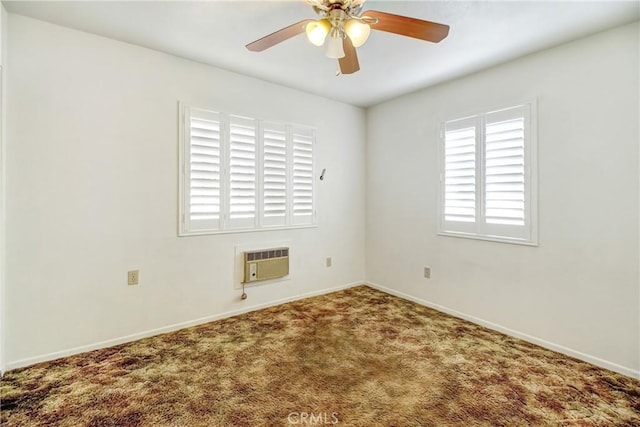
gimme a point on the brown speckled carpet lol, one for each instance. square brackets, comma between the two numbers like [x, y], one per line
[357, 357]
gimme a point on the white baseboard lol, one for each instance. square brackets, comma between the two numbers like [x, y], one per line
[170, 328]
[538, 341]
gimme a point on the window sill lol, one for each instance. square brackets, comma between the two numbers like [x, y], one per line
[244, 230]
[498, 239]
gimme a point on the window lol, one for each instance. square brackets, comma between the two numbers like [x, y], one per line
[240, 174]
[487, 179]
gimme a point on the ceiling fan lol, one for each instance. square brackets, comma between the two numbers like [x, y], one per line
[348, 27]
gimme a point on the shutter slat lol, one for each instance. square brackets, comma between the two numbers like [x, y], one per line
[275, 171]
[460, 174]
[504, 172]
[302, 174]
[242, 168]
[204, 167]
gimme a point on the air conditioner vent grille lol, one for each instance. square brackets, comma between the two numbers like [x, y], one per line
[267, 254]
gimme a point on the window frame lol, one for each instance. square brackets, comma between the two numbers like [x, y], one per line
[188, 227]
[480, 229]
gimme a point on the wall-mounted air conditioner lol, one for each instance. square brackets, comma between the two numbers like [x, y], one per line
[266, 264]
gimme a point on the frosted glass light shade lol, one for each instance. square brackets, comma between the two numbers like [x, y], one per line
[317, 31]
[357, 31]
[334, 47]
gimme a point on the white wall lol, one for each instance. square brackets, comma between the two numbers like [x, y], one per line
[92, 191]
[3, 85]
[579, 290]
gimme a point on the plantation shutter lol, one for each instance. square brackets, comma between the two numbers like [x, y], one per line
[202, 171]
[302, 175]
[506, 193]
[242, 172]
[274, 176]
[487, 176]
[504, 169]
[460, 177]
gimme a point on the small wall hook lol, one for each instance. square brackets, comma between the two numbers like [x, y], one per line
[322, 174]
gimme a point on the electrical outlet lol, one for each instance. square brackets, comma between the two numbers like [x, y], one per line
[427, 272]
[132, 277]
[328, 261]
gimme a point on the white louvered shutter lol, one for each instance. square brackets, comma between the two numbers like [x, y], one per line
[506, 195]
[242, 172]
[274, 174]
[488, 172]
[302, 175]
[202, 169]
[459, 176]
[504, 170]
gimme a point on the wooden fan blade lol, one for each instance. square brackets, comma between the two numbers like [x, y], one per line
[349, 63]
[279, 36]
[410, 27]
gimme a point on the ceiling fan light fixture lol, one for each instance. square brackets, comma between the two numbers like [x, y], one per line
[348, 27]
[317, 31]
[357, 31]
[335, 50]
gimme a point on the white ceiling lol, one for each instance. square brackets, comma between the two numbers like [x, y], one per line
[482, 34]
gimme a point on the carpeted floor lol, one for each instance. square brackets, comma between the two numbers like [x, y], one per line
[357, 357]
